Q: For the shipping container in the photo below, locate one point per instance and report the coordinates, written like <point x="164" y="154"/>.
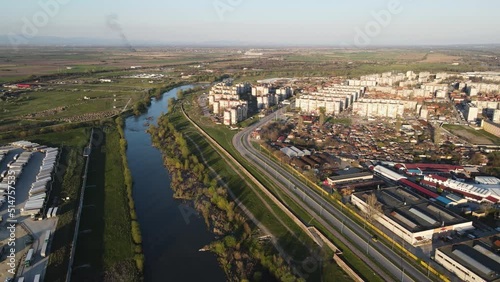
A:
<point x="49" y="212"/>
<point x="37" y="278"/>
<point x="20" y="279"/>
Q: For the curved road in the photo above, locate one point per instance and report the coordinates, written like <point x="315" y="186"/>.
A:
<point x="379" y="252"/>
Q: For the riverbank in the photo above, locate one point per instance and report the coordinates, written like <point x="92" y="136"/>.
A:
<point x="240" y="253"/>
<point x="106" y="246"/>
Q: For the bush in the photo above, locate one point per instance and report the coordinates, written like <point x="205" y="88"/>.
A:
<point x="136" y="232"/>
<point x="139" y="262"/>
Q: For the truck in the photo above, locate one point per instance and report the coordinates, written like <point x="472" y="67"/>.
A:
<point x="38" y="182"/>
<point x="47" y="236"/>
<point x="45" y="174"/>
<point x="54" y="212"/>
<point x="44" y="185"/>
<point x="20" y="279"/>
<point x="27" y="210"/>
<point x="49" y="212"/>
<point x="37" y="191"/>
<point x="33" y="205"/>
<point x="45" y="169"/>
<point x="30" y="213"/>
<point x="39" y="196"/>
<point x="44" y="179"/>
<point x="37" y="278"/>
<point x="43" y="251"/>
<point x="29" y="258"/>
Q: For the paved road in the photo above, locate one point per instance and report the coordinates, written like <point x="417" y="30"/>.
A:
<point x="379" y="252"/>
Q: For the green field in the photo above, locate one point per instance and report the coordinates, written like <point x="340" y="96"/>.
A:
<point x="106" y="215"/>
<point x="478" y="137"/>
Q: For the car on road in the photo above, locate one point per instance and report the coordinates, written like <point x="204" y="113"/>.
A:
<point x="374" y="238"/>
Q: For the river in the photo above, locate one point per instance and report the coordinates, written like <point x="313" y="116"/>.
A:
<point x="170" y="242"/>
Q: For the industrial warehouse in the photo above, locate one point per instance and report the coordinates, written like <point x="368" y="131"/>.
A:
<point x="26" y="185"/>
<point x="410" y="216"/>
<point x="475" y="260"/>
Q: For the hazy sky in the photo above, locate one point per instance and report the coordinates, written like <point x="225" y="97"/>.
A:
<point x="312" y="22"/>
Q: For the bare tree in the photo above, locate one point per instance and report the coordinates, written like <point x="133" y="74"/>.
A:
<point x="322" y="114"/>
<point x="373" y="207"/>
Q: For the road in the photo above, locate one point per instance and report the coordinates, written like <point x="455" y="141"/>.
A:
<point x="391" y="261"/>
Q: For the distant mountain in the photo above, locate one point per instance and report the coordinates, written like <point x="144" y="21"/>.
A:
<point x="5" y="40"/>
<point x="118" y="42"/>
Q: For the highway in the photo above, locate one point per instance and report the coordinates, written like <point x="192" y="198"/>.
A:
<point x="309" y="199"/>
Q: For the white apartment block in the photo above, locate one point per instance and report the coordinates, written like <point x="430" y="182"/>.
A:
<point x="225" y="95"/>
<point x="470" y="112"/>
<point x="268" y="95"/>
<point x="235" y="114"/>
<point x="482" y="87"/>
<point x="493" y="105"/>
<point x="378" y="108"/>
<point x="312" y="104"/>
<point x="496" y="116"/>
<point x="334" y="99"/>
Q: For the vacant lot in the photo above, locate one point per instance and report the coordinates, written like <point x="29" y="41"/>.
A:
<point x="472" y="136"/>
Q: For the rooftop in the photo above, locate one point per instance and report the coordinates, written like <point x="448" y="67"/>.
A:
<point x="349" y="176"/>
<point x="413" y="211"/>
<point x="479" y="256"/>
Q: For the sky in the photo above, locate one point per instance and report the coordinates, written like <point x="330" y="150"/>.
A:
<point x="258" y="22"/>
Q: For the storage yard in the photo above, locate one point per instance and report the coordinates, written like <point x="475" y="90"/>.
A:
<point x="27" y="172"/>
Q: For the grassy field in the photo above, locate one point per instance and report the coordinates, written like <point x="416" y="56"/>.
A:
<point x="106" y="218"/>
<point x="471" y="135"/>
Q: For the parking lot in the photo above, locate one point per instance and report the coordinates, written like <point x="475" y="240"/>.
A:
<point x="29" y="232"/>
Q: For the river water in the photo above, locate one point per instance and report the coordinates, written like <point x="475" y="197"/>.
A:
<point x="171" y="234"/>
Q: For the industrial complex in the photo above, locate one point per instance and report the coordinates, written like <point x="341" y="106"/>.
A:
<point x="26" y="201"/>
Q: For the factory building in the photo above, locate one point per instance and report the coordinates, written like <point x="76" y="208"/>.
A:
<point x="475" y="260"/>
<point x="410" y="216"/>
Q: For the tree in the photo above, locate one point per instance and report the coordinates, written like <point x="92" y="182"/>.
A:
<point x="397" y="127"/>
<point x="477" y="158"/>
<point x="373" y="207"/>
<point x="322" y="115"/>
<point x="180" y="94"/>
<point x="437" y="134"/>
